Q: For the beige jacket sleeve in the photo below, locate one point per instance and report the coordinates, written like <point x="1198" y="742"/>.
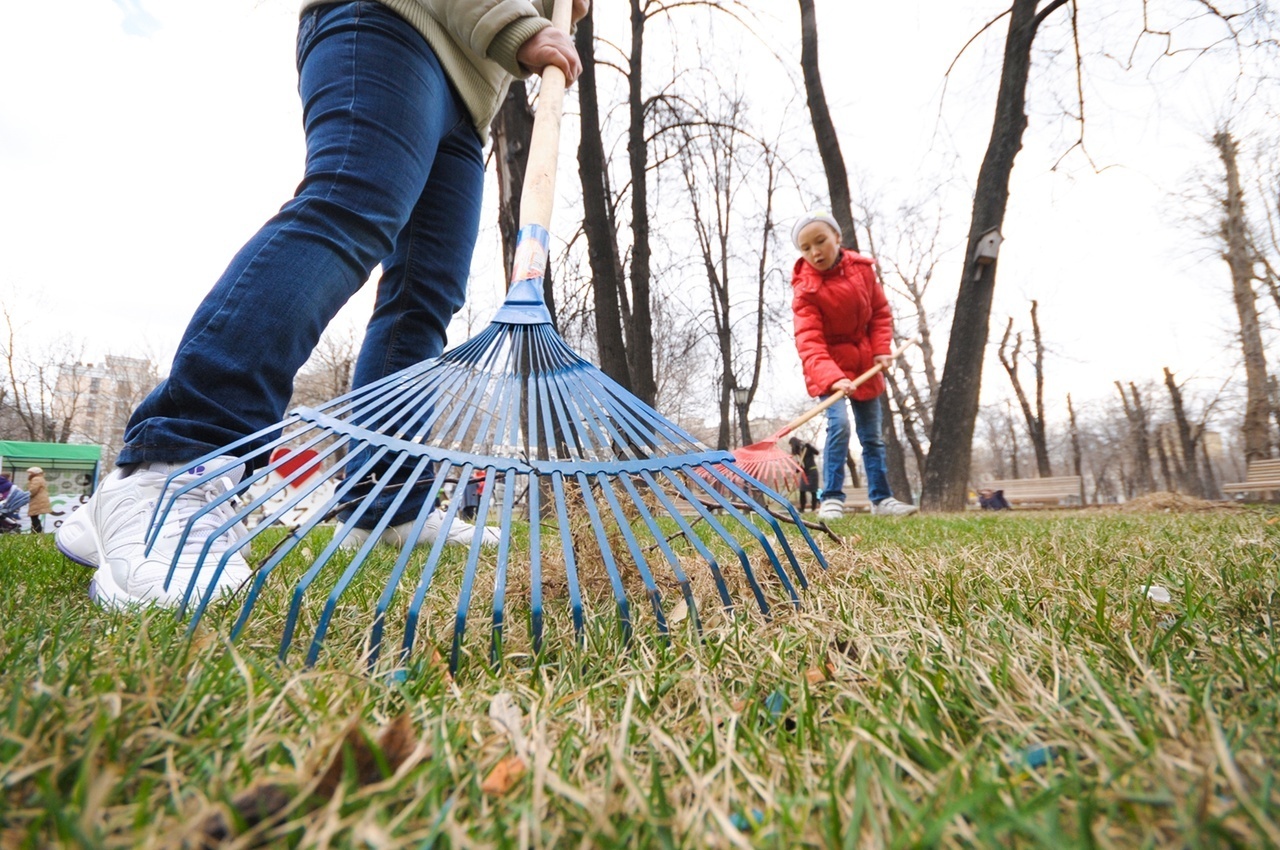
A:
<point x="494" y="29"/>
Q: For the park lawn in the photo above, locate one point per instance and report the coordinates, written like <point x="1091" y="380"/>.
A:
<point x="976" y="680"/>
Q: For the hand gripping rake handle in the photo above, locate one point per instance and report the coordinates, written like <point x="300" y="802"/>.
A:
<point x="835" y="397"/>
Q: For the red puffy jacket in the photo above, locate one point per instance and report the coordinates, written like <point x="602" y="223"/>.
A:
<point x="842" y="322"/>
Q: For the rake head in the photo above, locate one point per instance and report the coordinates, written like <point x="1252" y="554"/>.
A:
<point x="554" y="436"/>
<point x="766" y="463"/>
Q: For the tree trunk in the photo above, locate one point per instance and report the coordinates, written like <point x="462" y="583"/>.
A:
<point x="823" y="127"/>
<point x="1143" y="480"/>
<point x="1186" y="439"/>
<point x="895" y="459"/>
<point x="639" y="328"/>
<point x="946" y="477"/>
<point x="1077" y="456"/>
<point x="1239" y="256"/>
<point x="1034" y="419"/>
<point x="598" y="220"/>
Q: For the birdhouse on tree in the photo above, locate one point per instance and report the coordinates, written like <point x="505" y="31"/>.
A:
<point x="988" y="247"/>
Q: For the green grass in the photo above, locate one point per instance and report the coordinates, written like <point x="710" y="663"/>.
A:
<point x="972" y="681"/>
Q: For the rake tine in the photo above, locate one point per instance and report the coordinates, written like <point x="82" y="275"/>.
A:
<point x="692" y="536"/>
<point x="637" y="555"/>
<point x="239" y="516"/>
<point x="606" y="553"/>
<point x="166" y="502"/>
<point x="357" y="560"/>
<point x="786" y="503"/>
<point x="264" y="571"/>
<point x="665" y="547"/>
<point x="473" y="559"/>
<point x="433" y="559"/>
<point x="326" y="554"/>
<point x="402" y="562"/>
<point x="724" y="534"/>
<point x="500" y="576"/>
<point x="535" y="562"/>
<point x="566" y="543"/>
<point x="750" y="528"/>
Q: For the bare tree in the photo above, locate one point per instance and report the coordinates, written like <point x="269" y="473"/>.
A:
<point x="1077" y="455"/>
<point x="1240" y="257"/>
<point x="327" y="374"/>
<point x="599" y="219"/>
<point x="823" y="128"/>
<point x="1188" y="440"/>
<point x="947" y="473"/>
<point x="1033" y="418"/>
<point x="45" y="412"/>
<point x="721" y="162"/>
<point x="1143" y="480"/>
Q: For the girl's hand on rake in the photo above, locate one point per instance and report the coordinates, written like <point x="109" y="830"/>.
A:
<point x="844" y="385"/>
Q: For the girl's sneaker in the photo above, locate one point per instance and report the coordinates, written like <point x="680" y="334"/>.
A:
<point x="892" y="507"/>
<point x="460" y="533"/>
<point x="831" y="509"/>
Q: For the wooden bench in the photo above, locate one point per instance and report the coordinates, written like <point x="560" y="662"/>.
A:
<point x="1261" y="476"/>
<point x="1037" y="491"/>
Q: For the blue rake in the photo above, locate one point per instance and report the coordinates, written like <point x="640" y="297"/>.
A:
<point x="518" y="404"/>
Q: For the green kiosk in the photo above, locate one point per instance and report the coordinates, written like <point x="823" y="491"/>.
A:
<point x="71" y="471"/>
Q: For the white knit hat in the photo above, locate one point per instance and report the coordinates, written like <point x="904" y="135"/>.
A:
<point x="809" y="218"/>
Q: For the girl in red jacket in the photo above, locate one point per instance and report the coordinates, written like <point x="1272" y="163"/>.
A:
<point x="843" y="328"/>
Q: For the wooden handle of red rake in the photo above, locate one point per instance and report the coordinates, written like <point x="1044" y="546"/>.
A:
<point x="539" y="190"/>
<point x="838" y="396"/>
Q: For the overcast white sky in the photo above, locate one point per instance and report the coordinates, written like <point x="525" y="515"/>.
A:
<point x="143" y="141"/>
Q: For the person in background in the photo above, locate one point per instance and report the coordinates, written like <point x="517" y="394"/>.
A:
<point x="397" y="99"/>
<point x="806" y="454"/>
<point x="39" y="504"/>
<point x="843" y="327"/>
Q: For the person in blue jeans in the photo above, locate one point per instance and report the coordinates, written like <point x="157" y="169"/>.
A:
<point x="843" y="326"/>
<point x="397" y="97"/>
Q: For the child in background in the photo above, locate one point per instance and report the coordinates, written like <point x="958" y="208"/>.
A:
<point x="843" y="327"/>
<point x="806" y="454"/>
<point x="39" y="504"/>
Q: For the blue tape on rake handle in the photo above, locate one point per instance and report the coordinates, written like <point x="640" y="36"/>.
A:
<point x="525" y="304"/>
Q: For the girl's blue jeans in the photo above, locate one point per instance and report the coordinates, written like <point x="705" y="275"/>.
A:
<point x="394" y="175"/>
<point x="867" y="417"/>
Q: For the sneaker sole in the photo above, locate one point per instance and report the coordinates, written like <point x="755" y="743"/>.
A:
<point x="73" y="557"/>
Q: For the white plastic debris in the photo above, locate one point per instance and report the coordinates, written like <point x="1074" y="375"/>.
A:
<point x="1156" y="593"/>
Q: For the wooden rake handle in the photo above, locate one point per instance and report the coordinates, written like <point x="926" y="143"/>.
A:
<point x="835" y="397"/>
<point x="538" y="194"/>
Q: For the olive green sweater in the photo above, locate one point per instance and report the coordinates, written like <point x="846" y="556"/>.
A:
<point x="476" y="42"/>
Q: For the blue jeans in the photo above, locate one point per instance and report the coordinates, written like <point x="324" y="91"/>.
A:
<point x="867" y="419"/>
<point x="394" y="175"/>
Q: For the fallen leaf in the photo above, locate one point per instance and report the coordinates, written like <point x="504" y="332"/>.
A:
<point x="817" y="675"/>
<point x="507" y="719"/>
<point x="739" y="706"/>
<point x="678" y="614"/>
<point x="504" y="776"/>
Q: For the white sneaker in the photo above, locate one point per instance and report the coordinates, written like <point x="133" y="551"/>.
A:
<point x="109" y="533"/>
<point x="892" y="507"/>
<point x="831" y="509"/>
<point x="75" y="539"/>
<point x="460" y="532"/>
